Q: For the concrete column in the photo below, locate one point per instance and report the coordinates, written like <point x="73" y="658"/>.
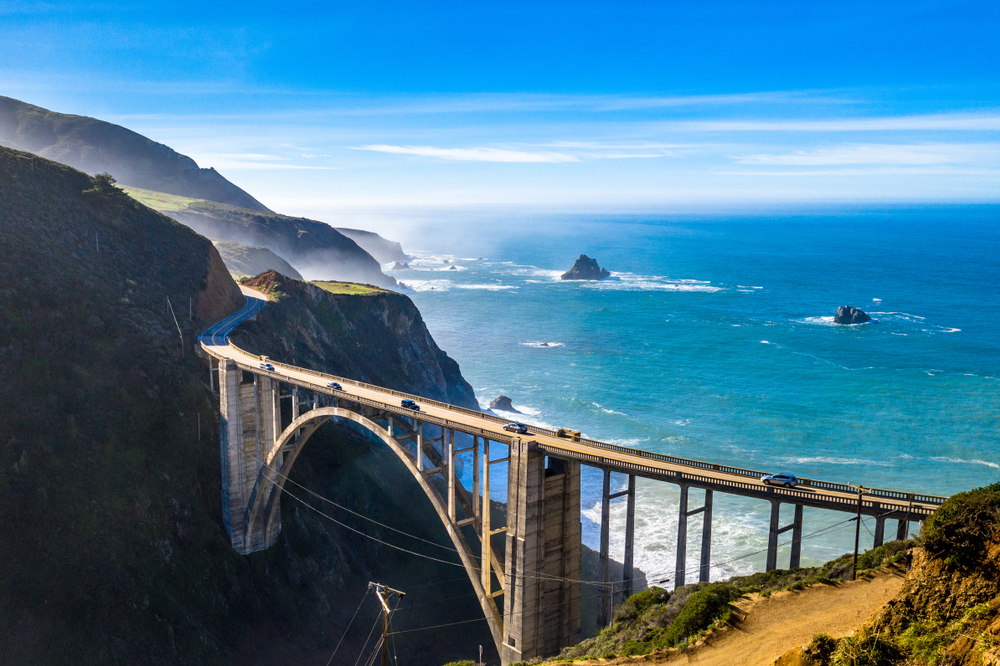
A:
<point x="603" y="617"/>
<point x="772" y="537"/>
<point x="682" y="520"/>
<point x="902" y="527"/>
<point x="879" y="531"/>
<point x="295" y="402"/>
<point x="389" y="425"/>
<point x="450" y="441"/>
<point x="541" y="611"/>
<point x="795" y="559"/>
<point x="486" y="539"/>
<point x="420" y="445"/>
<point x="211" y="375"/>
<point x="475" y="476"/>
<point x="706" y="539"/>
<point x="627" y="568"/>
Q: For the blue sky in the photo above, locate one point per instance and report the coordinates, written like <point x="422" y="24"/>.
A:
<point x="599" y="105"/>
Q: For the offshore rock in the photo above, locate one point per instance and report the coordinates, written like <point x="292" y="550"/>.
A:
<point x="399" y="266"/>
<point x="848" y="315"/>
<point x="586" y="268"/>
<point x="504" y="404"/>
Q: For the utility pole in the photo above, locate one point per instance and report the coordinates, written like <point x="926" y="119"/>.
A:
<point x="857" y="534"/>
<point x="383" y="592"/>
<point x="177" y="325"/>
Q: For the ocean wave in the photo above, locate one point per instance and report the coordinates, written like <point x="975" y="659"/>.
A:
<point x="682" y="422"/>
<point x="542" y="345"/>
<point x="822" y="321"/>
<point x="962" y="461"/>
<point x="746" y="286"/>
<point x="609" y="411"/>
<point x="488" y="287"/>
<point x="829" y="460"/>
<point x="428" y="285"/>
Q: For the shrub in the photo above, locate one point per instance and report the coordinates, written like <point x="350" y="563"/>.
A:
<point x="867" y="649"/>
<point x="633" y="607"/>
<point x="963" y="526"/>
<point x="820" y="650"/>
<point x="468" y="662"/>
<point x="702" y="609"/>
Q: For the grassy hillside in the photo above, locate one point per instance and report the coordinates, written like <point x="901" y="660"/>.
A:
<point x="243" y="260"/>
<point x="95" y="146"/>
<point x="315" y="249"/>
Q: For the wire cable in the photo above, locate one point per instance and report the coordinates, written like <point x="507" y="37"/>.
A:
<point x="366" y="641"/>
<point x="330" y="660"/>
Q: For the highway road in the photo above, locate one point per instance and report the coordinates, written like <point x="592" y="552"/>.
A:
<point x="717" y="476"/>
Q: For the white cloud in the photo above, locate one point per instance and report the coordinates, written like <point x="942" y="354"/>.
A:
<point x="934" y="122"/>
<point x="472" y="154"/>
<point x="881" y="154"/>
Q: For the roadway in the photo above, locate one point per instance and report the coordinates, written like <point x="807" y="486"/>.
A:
<point x="831" y="495"/>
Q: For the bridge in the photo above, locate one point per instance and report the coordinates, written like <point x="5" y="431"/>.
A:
<point x="528" y="584"/>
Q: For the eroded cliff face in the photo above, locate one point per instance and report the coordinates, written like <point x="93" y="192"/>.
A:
<point x="379" y="338"/>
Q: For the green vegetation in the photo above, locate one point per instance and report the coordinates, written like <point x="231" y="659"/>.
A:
<point x="349" y="288"/>
<point x="244" y="260"/>
<point x="657" y="619"/>
<point x="162" y="201"/>
<point x="467" y="662"/>
<point x="962" y="527"/>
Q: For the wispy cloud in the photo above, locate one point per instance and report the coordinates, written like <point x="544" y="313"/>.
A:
<point x="254" y="161"/>
<point x="472" y="154"/>
<point x="930" y="122"/>
<point x="888" y="154"/>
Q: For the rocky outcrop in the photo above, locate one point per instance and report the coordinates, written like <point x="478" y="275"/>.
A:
<point x="248" y="260"/>
<point x="586" y="268"/>
<point x="847" y="315"/>
<point x="400" y="266"/>
<point x="504" y="404"/>
<point x="382" y="249"/>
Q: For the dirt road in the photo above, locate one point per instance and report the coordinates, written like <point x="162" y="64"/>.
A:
<point x="770" y="626"/>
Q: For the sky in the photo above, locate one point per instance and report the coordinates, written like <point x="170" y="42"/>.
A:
<point x="316" y="109"/>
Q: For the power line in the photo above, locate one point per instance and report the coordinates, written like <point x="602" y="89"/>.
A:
<point x="330" y="660"/>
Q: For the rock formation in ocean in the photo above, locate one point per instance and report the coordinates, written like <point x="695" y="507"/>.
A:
<point x="586" y="268"/>
<point x="848" y="315"/>
<point x="504" y="404"/>
<point x="399" y="267"/>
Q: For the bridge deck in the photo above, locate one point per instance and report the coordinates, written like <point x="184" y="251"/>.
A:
<point x="725" y="478"/>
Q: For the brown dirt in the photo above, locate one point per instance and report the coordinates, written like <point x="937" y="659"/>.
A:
<point x="764" y="628"/>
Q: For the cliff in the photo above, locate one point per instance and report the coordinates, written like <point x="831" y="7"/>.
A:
<point x="356" y="336"/>
<point x="382" y="249"/>
<point x="315" y="249"/>
<point x="95" y="146"/>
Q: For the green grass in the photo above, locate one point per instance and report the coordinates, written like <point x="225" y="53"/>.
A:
<point x="349" y="288"/>
<point x="160" y="200"/>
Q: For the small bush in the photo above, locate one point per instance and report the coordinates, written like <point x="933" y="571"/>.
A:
<point x="702" y="609"/>
<point x="637" y="604"/>
<point x="820" y="650"/>
<point x="469" y="662"/>
<point x="867" y="649"/>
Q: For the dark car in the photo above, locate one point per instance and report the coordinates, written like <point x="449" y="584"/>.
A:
<point x="519" y="428"/>
<point x="267" y="366"/>
<point x="409" y="404"/>
<point x="335" y="385"/>
<point x="780" y="479"/>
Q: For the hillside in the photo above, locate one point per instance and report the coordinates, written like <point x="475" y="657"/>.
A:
<point x="112" y="539"/>
<point x="246" y="260"/>
<point x="315" y="249"/>
<point x="95" y="146"/>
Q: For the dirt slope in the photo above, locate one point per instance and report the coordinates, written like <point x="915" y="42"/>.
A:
<point x="767" y="627"/>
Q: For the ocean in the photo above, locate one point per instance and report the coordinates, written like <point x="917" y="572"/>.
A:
<point x="714" y="340"/>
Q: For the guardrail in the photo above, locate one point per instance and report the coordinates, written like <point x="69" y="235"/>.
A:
<point x="673" y="460"/>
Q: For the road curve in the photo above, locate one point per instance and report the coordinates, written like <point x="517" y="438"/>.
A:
<point x="832" y="495"/>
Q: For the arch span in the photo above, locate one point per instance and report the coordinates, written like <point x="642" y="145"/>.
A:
<point x="262" y="509"/>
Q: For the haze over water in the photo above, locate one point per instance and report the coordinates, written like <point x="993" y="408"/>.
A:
<point x="714" y="340"/>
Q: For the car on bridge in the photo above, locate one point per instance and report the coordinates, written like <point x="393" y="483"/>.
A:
<point x="335" y="385"/>
<point x="409" y="404"/>
<point x="519" y="428"/>
<point x="267" y="366"/>
<point x="780" y="479"/>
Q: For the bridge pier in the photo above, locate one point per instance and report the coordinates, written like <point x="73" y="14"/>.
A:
<point x="249" y="425"/>
<point x="879" y="530"/>
<point x="902" y="527"/>
<point x="794" y="558"/>
<point x="680" y="570"/>
<point x="542" y="592"/>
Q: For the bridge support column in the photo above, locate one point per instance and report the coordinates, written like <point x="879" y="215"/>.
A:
<point x="449" y="438"/>
<point x="772" y="537"/>
<point x="627" y="568"/>
<point x="795" y="559"/>
<point x="682" y="538"/>
<point x="706" y="539"/>
<point x="879" y="531"/>
<point x="604" y="614"/>
<point x="248" y="414"/>
<point x="420" y="445"/>
<point x="902" y="528"/>
<point x="542" y="599"/>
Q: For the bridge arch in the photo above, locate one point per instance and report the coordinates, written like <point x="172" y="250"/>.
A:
<point x="263" y="506"/>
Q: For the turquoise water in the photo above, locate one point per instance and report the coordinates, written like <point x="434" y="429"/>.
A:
<point x="714" y="340"/>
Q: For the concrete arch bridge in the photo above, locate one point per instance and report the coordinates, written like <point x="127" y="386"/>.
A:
<point x="526" y="572"/>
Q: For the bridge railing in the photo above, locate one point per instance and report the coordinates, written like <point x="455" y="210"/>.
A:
<point x="661" y="457"/>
